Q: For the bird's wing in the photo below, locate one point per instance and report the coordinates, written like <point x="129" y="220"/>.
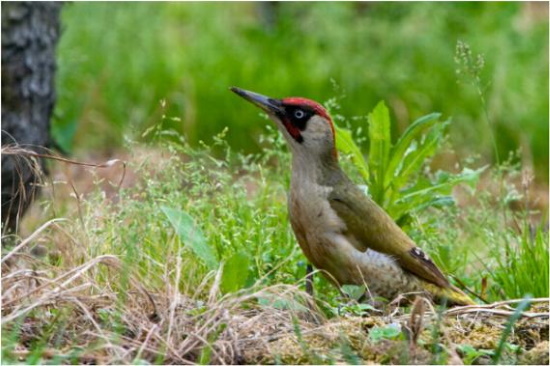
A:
<point x="373" y="228"/>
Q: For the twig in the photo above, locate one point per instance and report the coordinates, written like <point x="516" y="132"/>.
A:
<point x="496" y="304"/>
<point x="31" y="237"/>
<point x="490" y="308"/>
<point x="503" y="313"/>
<point x="107" y="164"/>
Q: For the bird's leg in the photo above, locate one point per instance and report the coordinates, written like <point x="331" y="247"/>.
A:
<point x="314" y="313"/>
<point x="368" y="298"/>
<point x="309" y="279"/>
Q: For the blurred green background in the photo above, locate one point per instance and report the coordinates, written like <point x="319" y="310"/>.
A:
<point x="118" y="61"/>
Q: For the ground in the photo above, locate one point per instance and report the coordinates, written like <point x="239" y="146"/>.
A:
<point x="71" y="295"/>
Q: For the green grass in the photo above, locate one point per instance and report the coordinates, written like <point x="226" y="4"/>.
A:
<point x="199" y="197"/>
<point x="238" y="205"/>
<point x="236" y="213"/>
<point x="118" y="61"/>
<point x="485" y="240"/>
<point x="515" y="256"/>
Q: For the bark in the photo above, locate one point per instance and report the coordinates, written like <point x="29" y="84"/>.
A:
<point x="30" y="31"/>
<point x="269" y="14"/>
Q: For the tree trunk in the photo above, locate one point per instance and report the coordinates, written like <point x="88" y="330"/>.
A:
<point x="269" y="14"/>
<point x="30" y="31"/>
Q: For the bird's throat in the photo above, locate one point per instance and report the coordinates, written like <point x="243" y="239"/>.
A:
<point x="321" y="171"/>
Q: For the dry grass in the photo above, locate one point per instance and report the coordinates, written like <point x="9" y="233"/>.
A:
<point x="67" y="305"/>
<point x="169" y="325"/>
<point x="95" y="326"/>
<point x="23" y="171"/>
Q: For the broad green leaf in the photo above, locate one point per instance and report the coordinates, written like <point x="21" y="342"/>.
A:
<point x="345" y="144"/>
<point x="445" y="185"/>
<point x="380" y="145"/>
<point x="191" y="235"/>
<point x="235" y="272"/>
<point x="404" y="206"/>
<point x="437" y="201"/>
<point x="468" y="176"/>
<point x="413" y="132"/>
<point x="357" y="309"/>
<point x="353" y="291"/>
<point x="387" y="332"/>
<point x="394" y="174"/>
<point x="435" y="194"/>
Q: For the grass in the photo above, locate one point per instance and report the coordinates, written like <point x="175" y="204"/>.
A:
<point x="119" y="284"/>
<point x="184" y="253"/>
<point x="110" y="84"/>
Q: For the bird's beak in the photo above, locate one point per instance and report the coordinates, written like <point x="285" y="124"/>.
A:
<point x="269" y="105"/>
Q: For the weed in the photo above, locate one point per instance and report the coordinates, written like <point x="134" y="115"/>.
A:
<point x="391" y="331"/>
<point x="139" y="275"/>
<point x="110" y="83"/>
<point x="394" y="176"/>
<point x="471" y="354"/>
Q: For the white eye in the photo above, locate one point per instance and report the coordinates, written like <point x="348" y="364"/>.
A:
<point x="298" y="113"/>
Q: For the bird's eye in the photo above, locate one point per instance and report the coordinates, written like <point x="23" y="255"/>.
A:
<point x="298" y="113"/>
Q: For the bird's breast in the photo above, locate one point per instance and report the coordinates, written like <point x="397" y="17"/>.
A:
<point x="313" y="222"/>
<point x="310" y="207"/>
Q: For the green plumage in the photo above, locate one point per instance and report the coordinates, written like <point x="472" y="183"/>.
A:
<point x="373" y="228"/>
<point x="340" y="229"/>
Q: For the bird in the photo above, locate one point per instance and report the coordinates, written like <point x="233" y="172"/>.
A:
<point x="340" y="229"/>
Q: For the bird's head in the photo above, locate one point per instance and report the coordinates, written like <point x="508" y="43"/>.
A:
<point x="305" y="124"/>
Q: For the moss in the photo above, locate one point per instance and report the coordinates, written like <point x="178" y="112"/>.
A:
<point x="538" y="355"/>
<point x="478" y="335"/>
<point x="395" y="352"/>
<point x="530" y="332"/>
<point x="324" y="344"/>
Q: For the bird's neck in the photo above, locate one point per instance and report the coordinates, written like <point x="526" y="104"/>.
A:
<point x="323" y="170"/>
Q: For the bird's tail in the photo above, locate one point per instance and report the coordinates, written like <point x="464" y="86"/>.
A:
<point x="452" y="294"/>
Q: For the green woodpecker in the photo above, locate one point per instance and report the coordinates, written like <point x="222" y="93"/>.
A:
<point x="339" y="228"/>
